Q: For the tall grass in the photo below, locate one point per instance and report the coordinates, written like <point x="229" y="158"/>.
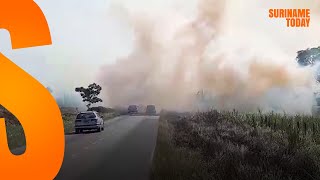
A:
<point x="233" y="145"/>
<point x="297" y="127"/>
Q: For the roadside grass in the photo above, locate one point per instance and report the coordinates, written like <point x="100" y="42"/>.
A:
<point x="233" y="145"/>
<point x="68" y="123"/>
<point x="171" y="162"/>
<point x="15" y="135"/>
<point x="108" y="116"/>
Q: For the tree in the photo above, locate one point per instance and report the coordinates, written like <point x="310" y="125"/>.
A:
<point x="309" y="56"/>
<point x="90" y="94"/>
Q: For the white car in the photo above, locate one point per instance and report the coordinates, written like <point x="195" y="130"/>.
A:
<point x="89" y="120"/>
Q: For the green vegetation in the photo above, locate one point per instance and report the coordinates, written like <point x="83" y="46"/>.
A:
<point x="15" y="136"/>
<point x="309" y="56"/>
<point x="68" y="123"/>
<point x="233" y="145"/>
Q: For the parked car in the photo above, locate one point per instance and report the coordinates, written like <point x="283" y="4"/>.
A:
<point x="89" y="120"/>
<point x="133" y="109"/>
<point x="151" y="110"/>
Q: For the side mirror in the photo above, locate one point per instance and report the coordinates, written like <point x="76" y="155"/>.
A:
<point x="102" y="116"/>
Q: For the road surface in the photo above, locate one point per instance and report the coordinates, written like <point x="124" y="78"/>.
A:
<point x="123" y="151"/>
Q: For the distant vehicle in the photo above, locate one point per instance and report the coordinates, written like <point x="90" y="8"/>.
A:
<point x="151" y="110"/>
<point x="89" y="120"/>
<point x="133" y="109"/>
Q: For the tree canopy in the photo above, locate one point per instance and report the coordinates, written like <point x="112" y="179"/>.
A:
<point x="309" y="56"/>
<point x="90" y="94"/>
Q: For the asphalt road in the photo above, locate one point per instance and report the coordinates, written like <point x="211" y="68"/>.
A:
<point x="123" y="151"/>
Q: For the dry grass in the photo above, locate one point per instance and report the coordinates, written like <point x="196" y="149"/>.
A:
<point x="231" y="145"/>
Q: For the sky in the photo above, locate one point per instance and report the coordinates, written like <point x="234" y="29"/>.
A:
<point x="83" y="39"/>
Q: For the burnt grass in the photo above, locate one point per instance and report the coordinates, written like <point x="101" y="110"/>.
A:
<point x="235" y="146"/>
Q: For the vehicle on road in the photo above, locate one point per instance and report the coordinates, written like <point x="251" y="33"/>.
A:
<point x="151" y="110"/>
<point x="89" y="120"/>
<point x="133" y="109"/>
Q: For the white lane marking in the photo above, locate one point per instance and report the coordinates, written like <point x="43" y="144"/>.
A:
<point x="152" y="154"/>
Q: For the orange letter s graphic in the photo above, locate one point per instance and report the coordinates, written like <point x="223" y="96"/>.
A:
<point x="28" y="100"/>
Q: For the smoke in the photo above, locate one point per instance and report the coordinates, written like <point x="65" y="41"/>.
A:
<point x="210" y="60"/>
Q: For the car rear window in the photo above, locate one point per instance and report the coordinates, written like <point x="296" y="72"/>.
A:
<point x="132" y="107"/>
<point x="86" y="116"/>
<point x="151" y="107"/>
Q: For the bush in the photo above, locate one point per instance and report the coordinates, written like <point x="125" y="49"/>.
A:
<point x="101" y="109"/>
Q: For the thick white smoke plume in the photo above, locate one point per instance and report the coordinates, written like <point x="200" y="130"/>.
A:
<point x="211" y="60"/>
